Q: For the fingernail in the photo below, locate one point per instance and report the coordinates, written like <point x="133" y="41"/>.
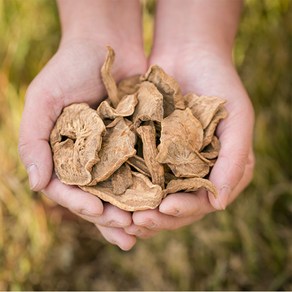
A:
<point x="224" y="196"/>
<point x="33" y="175"/>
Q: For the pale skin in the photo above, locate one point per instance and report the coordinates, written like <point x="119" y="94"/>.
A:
<point x="193" y="42"/>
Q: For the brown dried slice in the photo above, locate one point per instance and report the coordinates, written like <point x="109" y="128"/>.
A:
<point x="148" y="137"/>
<point x="179" y="127"/>
<point x="125" y="108"/>
<point x="117" y="146"/>
<point x="185" y="162"/>
<point x="210" y="130"/>
<point x="107" y="78"/>
<point x="122" y="179"/>
<point x="75" y="141"/>
<point x="168" y="86"/>
<point x="128" y="86"/>
<point x="150" y="104"/>
<point x="139" y="164"/>
<point x="204" y="108"/>
<point x="211" y="151"/>
<point x="189" y="185"/>
<point x="142" y="195"/>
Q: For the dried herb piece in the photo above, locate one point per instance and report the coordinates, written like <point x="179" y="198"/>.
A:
<point x="139" y="164"/>
<point x="148" y="137"/>
<point x="204" y="108"/>
<point x="75" y="141"/>
<point x="117" y="146"/>
<point x="125" y="108"/>
<point x="128" y="86"/>
<point x="150" y="104"/>
<point x="189" y="185"/>
<point x="211" y="151"/>
<point x="168" y="86"/>
<point x="210" y="130"/>
<point x="107" y="78"/>
<point x="121" y="179"/>
<point x="142" y="195"/>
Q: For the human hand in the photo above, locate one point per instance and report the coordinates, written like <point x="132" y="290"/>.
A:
<point x="73" y="76"/>
<point x="206" y="72"/>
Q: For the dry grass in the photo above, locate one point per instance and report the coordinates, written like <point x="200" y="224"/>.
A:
<point x="247" y="247"/>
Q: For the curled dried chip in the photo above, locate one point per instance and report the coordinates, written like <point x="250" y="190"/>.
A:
<point x="125" y="108"/>
<point x="150" y="104"/>
<point x="75" y="141"/>
<point x="107" y="78"/>
<point x="210" y="130"/>
<point x="168" y="86"/>
<point x="139" y="164"/>
<point x="189" y="185"/>
<point x="204" y="108"/>
<point x="128" y="86"/>
<point x="121" y="179"/>
<point x="142" y="195"/>
<point x="211" y="151"/>
<point x="117" y="146"/>
<point x="148" y="137"/>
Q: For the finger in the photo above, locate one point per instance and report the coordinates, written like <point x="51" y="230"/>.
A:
<point x="73" y="198"/>
<point x="140" y="231"/>
<point x="156" y="221"/>
<point x="111" y="217"/>
<point x="34" y="149"/>
<point x="186" y="204"/>
<point x="117" y="236"/>
<point x="235" y="135"/>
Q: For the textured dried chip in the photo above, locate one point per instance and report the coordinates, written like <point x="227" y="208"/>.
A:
<point x="117" y="146"/>
<point x="107" y="78"/>
<point x="185" y="162"/>
<point x="142" y="195"/>
<point x="128" y="86"/>
<point x="204" y="108"/>
<point x="75" y="141"/>
<point x="139" y="164"/>
<point x="150" y="104"/>
<point x="182" y="127"/>
<point x="125" y="108"/>
<point x="210" y="130"/>
<point x="211" y="151"/>
<point x="172" y="96"/>
<point x="121" y="179"/>
<point x="189" y="185"/>
<point x="148" y="137"/>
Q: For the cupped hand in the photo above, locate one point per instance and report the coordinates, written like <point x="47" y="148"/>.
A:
<point x="73" y="76"/>
<point x="207" y="73"/>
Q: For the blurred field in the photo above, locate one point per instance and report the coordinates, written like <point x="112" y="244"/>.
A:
<point x="246" y="247"/>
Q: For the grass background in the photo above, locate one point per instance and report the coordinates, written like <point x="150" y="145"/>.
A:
<point x="246" y="247"/>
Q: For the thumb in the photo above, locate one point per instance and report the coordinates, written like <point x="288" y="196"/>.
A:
<point x="34" y="149"/>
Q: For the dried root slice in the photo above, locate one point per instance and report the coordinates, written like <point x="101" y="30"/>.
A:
<point x="148" y="137"/>
<point x="76" y="140"/>
<point x="150" y="104"/>
<point x="121" y="179"/>
<point x="142" y="195"/>
<point x="204" y="108"/>
<point x="117" y="146"/>
<point x="125" y="108"/>
<point x="189" y="185"/>
<point x="139" y="164"/>
<point x="128" y="86"/>
<point x="211" y="151"/>
<point x="168" y="86"/>
<point x="210" y="130"/>
<point x="107" y="78"/>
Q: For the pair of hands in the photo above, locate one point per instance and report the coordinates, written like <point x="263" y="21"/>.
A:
<point x="72" y="76"/>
